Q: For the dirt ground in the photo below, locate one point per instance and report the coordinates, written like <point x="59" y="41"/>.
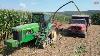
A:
<point x="67" y="46"/>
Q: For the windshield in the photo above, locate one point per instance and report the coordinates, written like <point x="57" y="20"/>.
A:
<point x="37" y="17"/>
<point x="77" y="21"/>
<point x="15" y="35"/>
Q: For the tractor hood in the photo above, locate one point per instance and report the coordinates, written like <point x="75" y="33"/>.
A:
<point x="33" y="26"/>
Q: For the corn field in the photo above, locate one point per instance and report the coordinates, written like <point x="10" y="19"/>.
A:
<point x="62" y="18"/>
<point x="12" y="18"/>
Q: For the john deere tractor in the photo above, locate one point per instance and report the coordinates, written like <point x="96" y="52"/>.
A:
<point x="40" y="30"/>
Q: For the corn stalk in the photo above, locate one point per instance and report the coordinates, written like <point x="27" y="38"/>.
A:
<point x="11" y="18"/>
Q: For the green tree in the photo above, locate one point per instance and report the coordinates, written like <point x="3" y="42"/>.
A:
<point x="62" y="18"/>
<point x="96" y="18"/>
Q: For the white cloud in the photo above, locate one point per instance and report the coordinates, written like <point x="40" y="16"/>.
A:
<point x="22" y="5"/>
<point x="27" y="4"/>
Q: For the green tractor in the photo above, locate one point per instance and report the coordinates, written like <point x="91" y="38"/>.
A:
<point x="40" y="30"/>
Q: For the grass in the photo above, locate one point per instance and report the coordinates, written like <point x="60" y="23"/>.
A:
<point x="79" y="50"/>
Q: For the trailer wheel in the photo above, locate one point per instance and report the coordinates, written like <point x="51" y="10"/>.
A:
<point x="84" y="35"/>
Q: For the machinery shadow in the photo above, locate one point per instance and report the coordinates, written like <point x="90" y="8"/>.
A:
<point x="65" y="33"/>
<point x="8" y="51"/>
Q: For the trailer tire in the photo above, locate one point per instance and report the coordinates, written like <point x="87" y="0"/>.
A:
<point x="83" y="36"/>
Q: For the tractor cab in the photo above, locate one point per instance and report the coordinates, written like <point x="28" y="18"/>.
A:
<point x="42" y="19"/>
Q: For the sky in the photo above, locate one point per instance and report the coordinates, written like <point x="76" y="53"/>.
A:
<point x="49" y="5"/>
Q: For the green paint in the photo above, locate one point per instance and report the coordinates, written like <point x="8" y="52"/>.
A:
<point x="34" y="26"/>
<point x="12" y="43"/>
<point x="27" y="38"/>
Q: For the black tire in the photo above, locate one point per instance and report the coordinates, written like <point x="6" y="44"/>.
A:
<point x="83" y="36"/>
